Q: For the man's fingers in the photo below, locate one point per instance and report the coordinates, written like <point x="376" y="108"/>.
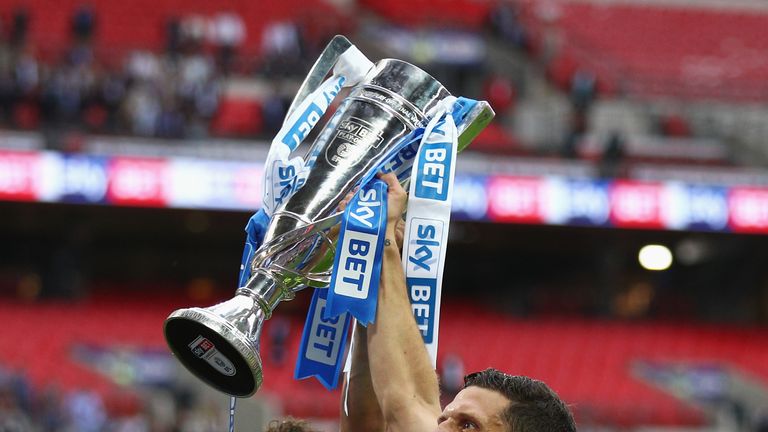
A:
<point x="348" y="198"/>
<point x="391" y="180"/>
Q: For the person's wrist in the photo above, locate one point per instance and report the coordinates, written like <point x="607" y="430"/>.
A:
<point x="390" y="237"/>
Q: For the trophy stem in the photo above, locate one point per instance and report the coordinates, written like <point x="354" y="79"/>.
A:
<point x="265" y="291"/>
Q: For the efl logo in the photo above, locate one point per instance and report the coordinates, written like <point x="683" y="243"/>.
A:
<point x="434" y="169"/>
<point x="424" y="247"/>
<point x="324" y="336"/>
<point x="353" y="138"/>
<point x="204" y="349"/>
<point x="200" y="346"/>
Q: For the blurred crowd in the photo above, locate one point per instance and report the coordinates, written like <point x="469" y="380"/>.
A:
<point x="25" y="408"/>
<point x="174" y="93"/>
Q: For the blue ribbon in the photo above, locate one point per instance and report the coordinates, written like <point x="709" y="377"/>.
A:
<point x="324" y="338"/>
<point x="323" y="343"/>
<point x="354" y="284"/>
<point x="255" y="229"/>
<point x="401" y="159"/>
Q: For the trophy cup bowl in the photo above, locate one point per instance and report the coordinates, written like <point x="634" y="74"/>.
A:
<point x="220" y="344"/>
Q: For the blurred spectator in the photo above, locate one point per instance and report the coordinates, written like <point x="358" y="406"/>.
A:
<point x="142" y="109"/>
<point x="83" y="24"/>
<point x="761" y="424"/>
<point x="173" y="94"/>
<point x="143" y="66"/>
<point x="570" y="146"/>
<point x="49" y="409"/>
<point x="12" y="417"/>
<point x="113" y="90"/>
<point x="194" y="71"/>
<point x="193" y="28"/>
<point x="19" y="28"/>
<point x="281" y="47"/>
<point x="227" y="34"/>
<point x="170" y="122"/>
<point x="273" y="112"/>
<point x="7" y="85"/>
<point x="86" y="411"/>
<point x="504" y="23"/>
<point x="583" y="88"/>
<point x="281" y="39"/>
<point x="451" y="377"/>
<point x="15" y="402"/>
<point x="613" y="156"/>
<point x="26" y="73"/>
<point x="173" y="37"/>
<point x="279" y="330"/>
<point x="19" y="384"/>
<point x="453" y="373"/>
<point x="577" y="127"/>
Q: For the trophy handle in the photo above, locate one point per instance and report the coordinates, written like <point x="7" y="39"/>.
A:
<point x="320" y="69"/>
<point x="309" y="247"/>
<point x="473" y="118"/>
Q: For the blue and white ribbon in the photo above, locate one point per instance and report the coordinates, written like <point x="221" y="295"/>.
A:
<point x="254" y="236"/>
<point x="354" y="285"/>
<point x="282" y="175"/>
<point x="323" y="343"/>
<point x="426" y="225"/>
<point x="285" y="175"/>
<point x="324" y="339"/>
<point x="426" y="156"/>
<point x="428" y="159"/>
<point x="353" y="289"/>
<point x="363" y="243"/>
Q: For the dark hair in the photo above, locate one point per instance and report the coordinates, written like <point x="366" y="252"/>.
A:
<point x="533" y="407"/>
<point x="289" y="424"/>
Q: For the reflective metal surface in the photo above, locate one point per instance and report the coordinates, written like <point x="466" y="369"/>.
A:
<point x="298" y="246"/>
<point x="320" y="69"/>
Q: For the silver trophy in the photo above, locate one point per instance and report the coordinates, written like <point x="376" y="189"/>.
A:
<point x="220" y="344"/>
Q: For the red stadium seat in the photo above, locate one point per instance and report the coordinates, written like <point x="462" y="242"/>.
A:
<point x="589" y="363"/>
<point x="237" y="117"/>
<point x="141" y="23"/>
<point x="685" y="51"/>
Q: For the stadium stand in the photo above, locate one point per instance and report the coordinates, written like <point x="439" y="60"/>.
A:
<point x="683" y="84"/>
<point x="589" y="362"/>
<point x="650" y="50"/>
<point x="141" y="24"/>
<point x="642" y="48"/>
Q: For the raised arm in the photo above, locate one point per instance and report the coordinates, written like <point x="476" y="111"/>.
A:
<point x="360" y="410"/>
<point x="401" y="372"/>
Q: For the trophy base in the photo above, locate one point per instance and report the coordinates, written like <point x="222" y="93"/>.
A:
<point x="214" y="351"/>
